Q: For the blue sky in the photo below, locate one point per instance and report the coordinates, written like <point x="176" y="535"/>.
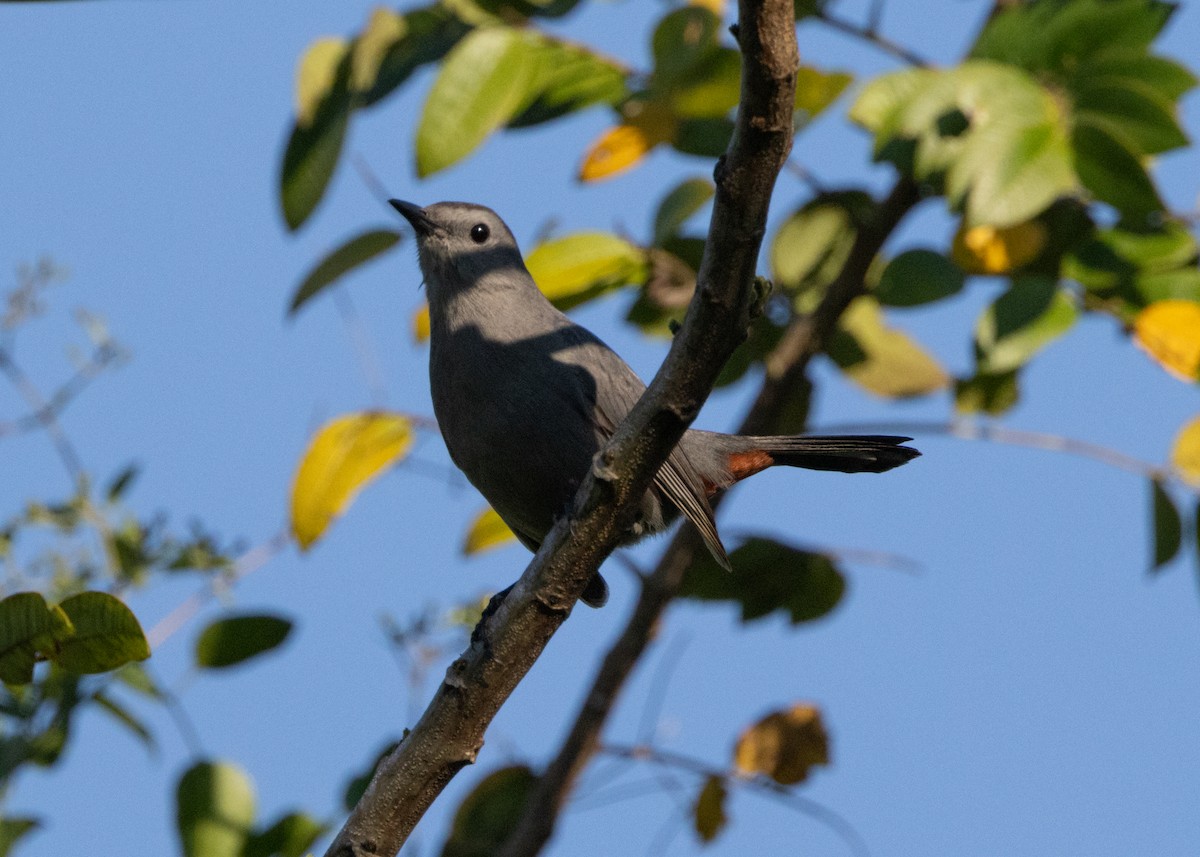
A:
<point x="1028" y="690"/>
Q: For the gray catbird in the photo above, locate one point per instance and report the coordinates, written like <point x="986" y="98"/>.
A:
<point x="525" y="397"/>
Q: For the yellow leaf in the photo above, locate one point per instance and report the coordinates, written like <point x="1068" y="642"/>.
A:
<point x="992" y="250"/>
<point x="1185" y="454"/>
<point x="784" y="745"/>
<point x="575" y="267"/>
<point x="488" y="530"/>
<point x="717" y="7"/>
<point x="1169" y="331"/>
<point x="709" y="811"/>
<point x="881" y="359"/>
<point x="420" y="324"/>
<point x="617" y="150"/>
<point x="346" y="454"/>
<point x="620" y="148"/>
<point x="316" y="74"/>
<point x="384" y="29"/>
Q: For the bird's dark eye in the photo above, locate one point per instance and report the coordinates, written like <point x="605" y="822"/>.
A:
<point x="480" y="233"/>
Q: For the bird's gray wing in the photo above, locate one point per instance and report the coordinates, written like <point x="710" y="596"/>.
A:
<point x="678" y="479"/>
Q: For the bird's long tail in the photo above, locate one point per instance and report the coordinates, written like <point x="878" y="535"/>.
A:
<point x="844" y="453"/>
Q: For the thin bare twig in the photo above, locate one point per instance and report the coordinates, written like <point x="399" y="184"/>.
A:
<point x="250" y="561"/>
<point x="46" y="416"/>
<point x="872" y="36"/>
<point x="760" y="784"/>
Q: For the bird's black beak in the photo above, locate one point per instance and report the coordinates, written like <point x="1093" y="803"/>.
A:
<point x="415" y="215"/>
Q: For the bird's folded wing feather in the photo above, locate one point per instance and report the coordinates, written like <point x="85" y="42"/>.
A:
<point x="678" y="480"/>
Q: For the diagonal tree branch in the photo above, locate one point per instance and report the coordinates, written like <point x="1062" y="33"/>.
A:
<point x="785" y="378"/>
<point x="450" y="733"/>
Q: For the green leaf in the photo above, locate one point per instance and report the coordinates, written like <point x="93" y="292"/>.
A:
<point x="359" y="250"/>
<point x="683" y="41"/>
<point x="712" y="89"/>
<point x="107" y="634"/>
<point x="215" y="808"/>
<point x="879" y="358"/>
<point x="1133" y="110"/>
<point x="1166" y="77"/>
<point x="582" y="266"/>
<point x="121" y="482"/>
<point x="483" y="82"/>
<point x="677" y="207"/>
<point x="568" y="78"/>
<point x="292" y="836"/>
<point x="26" y="625"/>
<point x="231" y="641"/>
<point x="323" y="114"/>
<point x="135" y="677"/>
<point x="764" y="336"/>
<point x="815" y="91"/>
<point x="126" y="718"/>
<point x="1021" y="322"/>
<point x="489" y="813"/>
<point x="428" y="35"/>
<point x="1110" y="168"/>
<point x="769" y="576"/>
<point x="1168" y="525"/>
<point x="1058" y="38"/>
<point x="1137" y="267"/>
<point x="13" y="829"/>
<point x="989" y="394"/>
<point x="918" y="277"/>
<point x="1014" y="176"/>
<point x="705" y="138"/>
<point x="997" y="137"/>
<point x="812" y="245"/>
<point x="708" y="813"/>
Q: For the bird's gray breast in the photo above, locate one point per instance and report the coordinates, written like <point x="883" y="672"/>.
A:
<point x="518" y="415"/>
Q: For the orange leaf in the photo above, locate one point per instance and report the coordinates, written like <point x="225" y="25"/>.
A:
<point x="1169" y="331"/>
